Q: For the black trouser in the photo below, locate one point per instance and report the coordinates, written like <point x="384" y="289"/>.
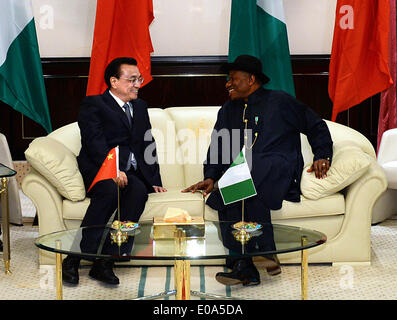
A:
<point x="104" y="202"/>
<point x="254" y="211"/>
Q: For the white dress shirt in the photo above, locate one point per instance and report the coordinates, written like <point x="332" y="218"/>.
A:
<point x="121" y="103"/>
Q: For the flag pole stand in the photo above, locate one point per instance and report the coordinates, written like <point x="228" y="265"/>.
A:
<point x="118" y="237"/>
<point x="242" y="235"/>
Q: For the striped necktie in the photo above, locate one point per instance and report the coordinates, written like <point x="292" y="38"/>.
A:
<point x="127" y="111"/>
<point x="131" y="157"/>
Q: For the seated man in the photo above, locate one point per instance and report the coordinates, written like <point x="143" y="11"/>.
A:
<point x="274" y="120"/>
<point x="115" y="118"/>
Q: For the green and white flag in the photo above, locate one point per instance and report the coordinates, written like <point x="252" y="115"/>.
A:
<point x="236" y="183"/>
<point x="21" y="76"/>
<point x="257" y="28"/>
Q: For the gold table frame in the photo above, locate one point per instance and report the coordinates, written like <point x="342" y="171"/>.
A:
<point x="182" y="281"/>
<point x="182" y="289"/>
<point x="5" y="222"/>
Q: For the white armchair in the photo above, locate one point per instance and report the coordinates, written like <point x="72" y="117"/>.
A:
<point x="386" y="205"/>
<point x="14" y="202"/>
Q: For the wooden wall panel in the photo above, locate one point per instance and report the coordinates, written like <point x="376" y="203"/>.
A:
<point x="177" y="81"/>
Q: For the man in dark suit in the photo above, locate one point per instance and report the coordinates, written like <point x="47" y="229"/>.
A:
<point x="274" y="120"/>
<point x="115" y="118"/>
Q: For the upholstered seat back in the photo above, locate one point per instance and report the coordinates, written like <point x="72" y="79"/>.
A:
<point x="193" y="126"/>
<point x="339" y="135"/>
<point x="168" y="152"/>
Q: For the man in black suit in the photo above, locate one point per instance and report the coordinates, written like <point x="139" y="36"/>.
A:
<point x="115" y="118"/>
<point x="274" y="120"/>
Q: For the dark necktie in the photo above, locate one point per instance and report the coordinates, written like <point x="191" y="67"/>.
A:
<point x="127" y="111"/>
<point x="131" y="158"/>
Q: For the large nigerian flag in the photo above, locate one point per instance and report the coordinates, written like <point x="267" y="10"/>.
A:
<point x="257" y="27"/>
<point x="21" y="75"/>
<point x="236" y="183"/>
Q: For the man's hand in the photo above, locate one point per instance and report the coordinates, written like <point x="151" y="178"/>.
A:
<point x="159" y="189"/>
<point x="207" y="185"/>
<point x="320" y="168"/>
<point x="122" y="180"/>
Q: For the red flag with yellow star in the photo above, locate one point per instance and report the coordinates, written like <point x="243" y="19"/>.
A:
<point x="109" y="168"/>
<point x="359" y="66"/>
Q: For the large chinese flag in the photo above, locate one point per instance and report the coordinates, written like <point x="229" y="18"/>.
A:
<point x="109" y="168"/>
<point x="121" y="30"/>
<point x="359" y="58"/>
<point x="388" y="98"/>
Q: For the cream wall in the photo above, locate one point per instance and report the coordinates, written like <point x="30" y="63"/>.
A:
<point x="181" y="27"/>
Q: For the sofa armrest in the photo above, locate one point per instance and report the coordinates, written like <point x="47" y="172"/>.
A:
<point x="47" y="200"/>
<point x="360" y="198"/>
<point x="366" y="190"/>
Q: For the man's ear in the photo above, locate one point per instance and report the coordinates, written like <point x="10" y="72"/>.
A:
<point x="252" y="79"/>
<point x="113" y="81"/>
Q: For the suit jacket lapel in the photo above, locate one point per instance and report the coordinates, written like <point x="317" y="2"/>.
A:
<point x="115" y="106"/>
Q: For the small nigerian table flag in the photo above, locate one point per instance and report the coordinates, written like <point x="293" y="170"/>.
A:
<point x="236" y="183"/>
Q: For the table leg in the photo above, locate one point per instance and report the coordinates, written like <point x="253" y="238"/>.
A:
<point x="304" y="269"/>
<point x="6" y="225"/>
<point x="186" y="280"/>
<point x="182" y="279"/>
<point x="59" y="272"/>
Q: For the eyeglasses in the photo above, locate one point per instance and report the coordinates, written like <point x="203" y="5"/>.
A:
<point x="134" y="80"/>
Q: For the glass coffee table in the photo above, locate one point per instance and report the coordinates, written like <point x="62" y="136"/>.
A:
<point x="210" y="240"/>
<point x="5" y="173"/>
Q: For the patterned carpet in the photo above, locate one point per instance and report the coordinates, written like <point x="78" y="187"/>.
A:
<point x="28" y="281"/>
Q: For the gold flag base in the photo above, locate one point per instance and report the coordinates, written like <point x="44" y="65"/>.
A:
<point x="242" y="236"/>
<point x="118" y="237"/>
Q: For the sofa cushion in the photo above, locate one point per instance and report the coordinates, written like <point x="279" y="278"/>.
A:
<point x="194" y="126"/>
<point x="69" y="136"/>
<point x="158" y="203"/>
<point x="343" y="134"/>
<point x="168" y="153"/>
<point x="75" y="210"/>
<point x="327" y="206"/>
<point x="333" y="204"/>
<point x="390" y="169"/>
<point x="58" y="165"/>
<point x="156" y="206"/>
<point x="348" y="164"/>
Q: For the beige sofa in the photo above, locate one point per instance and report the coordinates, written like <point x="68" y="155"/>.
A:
<point x="339" y="206"/>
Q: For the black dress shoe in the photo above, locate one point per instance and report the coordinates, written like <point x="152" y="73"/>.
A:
<point x="244" y="272"/>
<point x="102" y="270"/>
<point x="70" y="270"/>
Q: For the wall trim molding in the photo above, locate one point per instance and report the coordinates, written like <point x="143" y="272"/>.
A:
<point x="179" y="66"/>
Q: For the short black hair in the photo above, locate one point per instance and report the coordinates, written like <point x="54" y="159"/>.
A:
<point x="113" y="68"/>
